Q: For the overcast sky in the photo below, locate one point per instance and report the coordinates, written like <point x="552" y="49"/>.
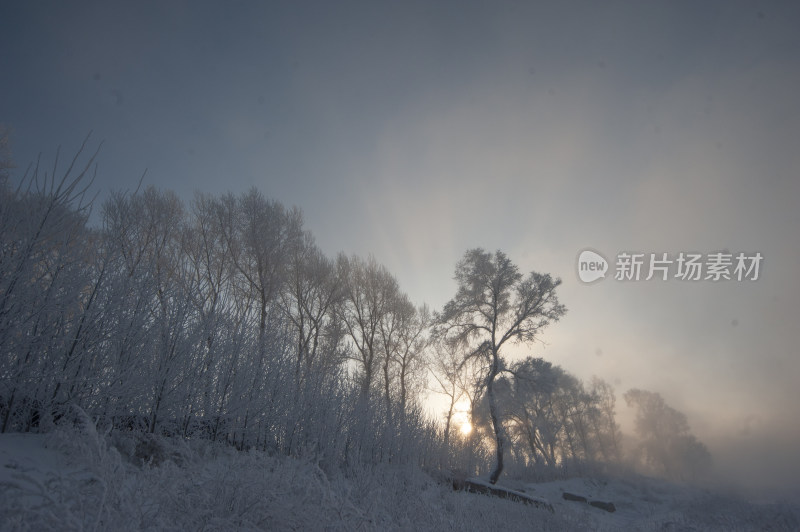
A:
<point x="416" y="130"/>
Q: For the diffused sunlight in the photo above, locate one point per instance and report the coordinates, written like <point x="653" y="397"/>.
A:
<point x="461" y="417"/>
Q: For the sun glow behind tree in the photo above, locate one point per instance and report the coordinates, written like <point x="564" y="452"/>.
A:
<point x="462" y="418"/>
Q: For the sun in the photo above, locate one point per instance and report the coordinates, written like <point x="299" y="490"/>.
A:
<point x="461" y="417"/>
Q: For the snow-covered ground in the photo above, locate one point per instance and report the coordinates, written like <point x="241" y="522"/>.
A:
<point x="643" y="503"/>
<point x="75" y="481"/>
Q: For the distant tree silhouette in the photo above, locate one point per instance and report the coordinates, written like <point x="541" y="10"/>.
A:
<point x="667" y="446"/>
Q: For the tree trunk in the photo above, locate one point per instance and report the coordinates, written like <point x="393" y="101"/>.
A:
<point x="387" y="390"/>
<point x="499" y="435"/>
<point x="447" y="422"/>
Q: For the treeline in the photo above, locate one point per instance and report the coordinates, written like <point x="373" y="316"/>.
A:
<point x="554" y="423"/>
<point x="553" y="418"/>
<point x="221" y="318"/>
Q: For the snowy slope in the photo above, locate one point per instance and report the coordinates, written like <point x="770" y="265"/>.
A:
<point x="74" y="481"/>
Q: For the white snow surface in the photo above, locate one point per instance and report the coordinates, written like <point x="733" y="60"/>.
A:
<point x="71" y="480"/>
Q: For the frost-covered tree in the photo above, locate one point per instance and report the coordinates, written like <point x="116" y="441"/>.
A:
<point x="605" y="420"/>
<point x="410" y="354"/>
<point x="551" y="418"/>
<point x="445" y="369"/>
<point x="265" y="236"/>
<point x="45" y="284"/>
<point x="309" y="298"/>
<point x="369" y="293"/>
<point x="493" y="306"/>
<point x="667" y="446"/>
<point x="147" y="228"/>
<point x="221" y="320"/>
<point x="534" y="421"/>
